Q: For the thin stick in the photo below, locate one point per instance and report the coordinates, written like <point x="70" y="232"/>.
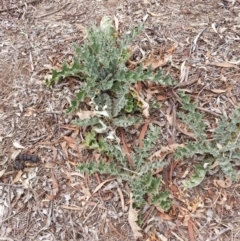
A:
<point x="48" y="14"/>
<point x="10" y="185"/>
<point x="220" y="233"/>
<point x="115" y="230"/>
<point x="209" y="112"/>
<point x="90" y="213"/>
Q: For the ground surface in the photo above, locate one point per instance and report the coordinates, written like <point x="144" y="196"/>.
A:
<point x="53" y="201"/>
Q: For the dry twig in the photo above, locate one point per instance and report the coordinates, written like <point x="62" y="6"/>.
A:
<point x="58" y="10"/>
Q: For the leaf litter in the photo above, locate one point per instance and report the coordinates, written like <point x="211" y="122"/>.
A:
<point x="31" y="114"/>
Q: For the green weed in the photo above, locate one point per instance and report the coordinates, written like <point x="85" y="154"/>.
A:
<point x="100" y="66"/>
<point x="223" y="147"/>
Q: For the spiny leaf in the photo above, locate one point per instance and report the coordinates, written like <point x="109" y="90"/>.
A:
<point x="124" y="121"/>
<point x="224" y="145"/>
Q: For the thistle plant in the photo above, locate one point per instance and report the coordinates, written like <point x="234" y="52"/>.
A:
<point x="139" y="174"/>
<point x="108" y="99"/>
<point x="223" y="147"/>
<point x="100" y="66"/>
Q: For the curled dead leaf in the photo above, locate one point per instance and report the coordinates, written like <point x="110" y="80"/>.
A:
<point x="101" y="184"/>
<point x="156" y="63"/>
<point x="218" y="91"/>
<point x="132" y="218"/>
<point x="145" y="105"/>
<point x="182" y="127"/>
<point x="165" y="150"/>
<point x="17" y="145"/>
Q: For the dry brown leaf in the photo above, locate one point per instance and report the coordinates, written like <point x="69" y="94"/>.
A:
<point x="54" y="154"/>
<point x="126" y="149"/>
<point x="68" y="176"/>
<point x="150" y="93"/>
<point x="218" y="91"/>
<point x="155" y="14"/>
<point x="115" y="230"/>
<point x="49" y="197"/>
<point x="145" y="105"/>
<point x="70" y="127"/>
<point x="71" y="208"/>
<point x="169" y="119"/>
<point x="85" y="114"/>
<point x="132" y="218"/>
<point x="69" y="139"/>
<point x="224" y="183"/>
<point x="85" y="191"/>
<point x="184" y="72"/>
<point x="110" y="186"/>
<point x="182" y="127"/>
<point x="17" y="145"/>
<point x="143" y="132"/>
<point x="121" y="197"/>
<point x="71" y="163"/>
<point x="28" y="112"/>
<point x="193" y="205"/>
<point x="165" y="150"/>
<point x="191" y="231"/>
<point x="73" y="146"/>
<point x="156" y="63"/>
<point x="2" y="107"/>
<point x="18" y="176"/>
<point x="163" y="215"/>
<point x="64" y="148"/>
<point x="153" y="237"/>
<point x="215" y="164"/>
<point x="49" y="165"/>
<point x="103" y="183"/>
<point x="77" y="174"/>
<point x="54" y="184"/>
<point x="95" y="204"/>
<point x="157" y="171"/>
<point x="224" y="64"/>
<point x="172" y="48"/>
<point x="162" y="97"/>
<point x="2" y="172"/>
